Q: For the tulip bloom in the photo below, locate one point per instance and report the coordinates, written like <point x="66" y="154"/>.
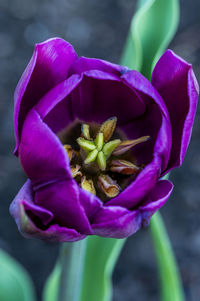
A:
<point x="95" y="140"/>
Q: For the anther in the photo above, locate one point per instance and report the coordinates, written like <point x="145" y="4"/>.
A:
<point x="88" y="185"/>
<point x="108" y="186"/>
<point x="108" y="127"/>
<point x="69" y="151"/>
<point x="75" y="170"/>
<point x="85" y="129"/>
<point x="124" y="167"/>
<point x="124" y="146"/>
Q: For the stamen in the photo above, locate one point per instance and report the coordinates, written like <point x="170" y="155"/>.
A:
<point x="85" y="144"/>
<point x="124" y="146"/>
<point x="124" y="167"/>
<point x="91" y="157"/>
<point x="102" y="153"/>
<point x="110" y="146"/>
<point x="101" y="161"/>
<point x="69" y="151"/>
<point x="108" y="186"/>
<point x="75" y="170"/>
<point x="99" y="141"/>
<point x="85" y="129"/>
<point x="88" y="185"/>
<point x="108" y="127"/>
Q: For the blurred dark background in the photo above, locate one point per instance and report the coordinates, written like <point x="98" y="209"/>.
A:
<point x="97" y="29"/>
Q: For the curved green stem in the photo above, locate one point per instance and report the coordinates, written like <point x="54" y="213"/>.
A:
<point x="170" y="282"/>
<point x="100" y="260"/>
<point x="71" y="262"/>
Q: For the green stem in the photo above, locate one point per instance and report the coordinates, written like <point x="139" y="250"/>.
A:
<point x="171" y="287"/>
<point x="71" y="262"/>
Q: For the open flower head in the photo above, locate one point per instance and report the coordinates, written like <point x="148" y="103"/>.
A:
<point x="95" y="140"/>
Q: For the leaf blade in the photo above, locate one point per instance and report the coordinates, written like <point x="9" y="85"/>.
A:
<point x="152" y="28"/>
<point x="15" y="283"/>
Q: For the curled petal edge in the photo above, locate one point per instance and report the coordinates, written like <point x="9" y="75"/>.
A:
<point x="53" y="233"/>
<point x="174" y="79"/>
<point x="51" y="61"/>
<point x="118" y="222"/>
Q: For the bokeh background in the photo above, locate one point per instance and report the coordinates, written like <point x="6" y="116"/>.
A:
<point x="97" y="29"/>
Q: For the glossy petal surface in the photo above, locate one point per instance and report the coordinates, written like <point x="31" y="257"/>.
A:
<point x="175" y="81"/>
<point x="48" y="66"/>
<point x="59" y="90"/>
<point x="21" y="209"/>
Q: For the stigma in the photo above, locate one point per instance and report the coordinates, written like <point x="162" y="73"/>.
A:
<point x="100" y="164"/>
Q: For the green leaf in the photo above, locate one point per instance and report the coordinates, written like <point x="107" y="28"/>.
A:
<point x="100" y="259"/>
<point x="50" y="292"/>
<point x="152" y="28"/>
<point x="15" y="283"/>
<point x="101" y="255"/>
<point x="170" y="283"/>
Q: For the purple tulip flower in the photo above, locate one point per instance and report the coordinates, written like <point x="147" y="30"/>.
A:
<point x="95" y="140"/>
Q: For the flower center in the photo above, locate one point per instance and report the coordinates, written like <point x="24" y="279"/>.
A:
<point x="100" y="165"/>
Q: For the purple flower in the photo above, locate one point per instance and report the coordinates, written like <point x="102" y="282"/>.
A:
<point x="105" y="179"/>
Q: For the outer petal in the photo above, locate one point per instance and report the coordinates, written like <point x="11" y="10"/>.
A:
<point x="176" y="83"/>
<point x="155" y="200"/>
<point x="62" y="198"/>
<point x="140" y="187"/>
<point x="90" y="203"/>
<point x="48" y="66"/>
<point x="41" y="153"/>
<point x="84" y="64"/>
<point x="118" y="222"/>
<point x="161" y="136"/>
<point x="26" y="214"/>
<point x="149" y="94"/>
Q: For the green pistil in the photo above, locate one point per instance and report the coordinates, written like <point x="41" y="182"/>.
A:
<point x="101" y="160"/>
<point x="99" y="141"/>
<point x="110" y="146"/>
<point x="85" y="144"/>
<point x="91" y="156"/>
<point x="97" y="150"/>
<point x="106" y="154"/>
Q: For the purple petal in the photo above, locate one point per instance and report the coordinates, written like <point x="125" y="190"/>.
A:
<point x="116" y="222"/>
<point x="44" y="215"/>
<point x="155" y="200"/>
<point x="55" y="233"/>
<point x="90" y="203"/>
<point x="41" y="152"/>
<point x="62" y="198"/>
<point x="55" y="108"/>
<point x="84" y="64"/>
<point x="106" y="89"/>
<point x="155" y="122"/>
<point x="20" y="209"/>
<point x="102" y="95"/>
<point x="48" y="66"/>
<point x="142" y="185"/>
<point x="176" y="83"/>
